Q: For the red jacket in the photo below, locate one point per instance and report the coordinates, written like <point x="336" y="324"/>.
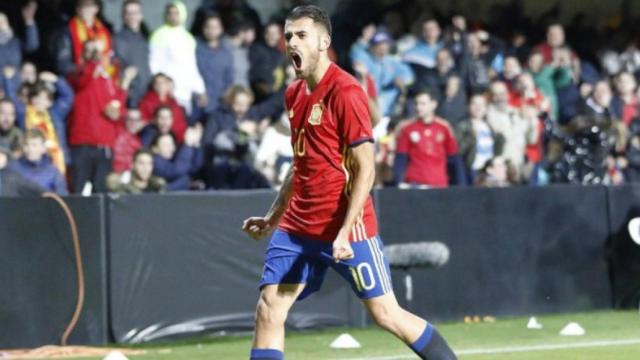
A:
<point x="126" y="145"/>
<point x="151" y="101"/>
<point x="88" y="125"/>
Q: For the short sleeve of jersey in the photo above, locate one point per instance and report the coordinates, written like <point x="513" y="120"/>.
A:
<point x="352" y="116"/>
<point x="450" y="145"/>
<point x="402" y="144"/>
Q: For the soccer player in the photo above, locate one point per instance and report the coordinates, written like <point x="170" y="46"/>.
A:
<point x="323" y="215"/>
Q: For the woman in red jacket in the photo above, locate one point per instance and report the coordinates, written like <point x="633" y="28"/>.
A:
<point x="161" y="93"/>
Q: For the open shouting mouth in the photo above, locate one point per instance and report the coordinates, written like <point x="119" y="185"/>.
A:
<point x="296" y="60"/>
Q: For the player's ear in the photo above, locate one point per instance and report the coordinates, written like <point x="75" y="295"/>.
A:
<point x="325" y="41"/>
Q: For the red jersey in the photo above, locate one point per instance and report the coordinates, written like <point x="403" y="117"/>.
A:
<point x="427" y="146"/>
<point x="324" y="123"/>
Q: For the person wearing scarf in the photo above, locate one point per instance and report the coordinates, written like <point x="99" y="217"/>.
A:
<point x="84" y="26"/>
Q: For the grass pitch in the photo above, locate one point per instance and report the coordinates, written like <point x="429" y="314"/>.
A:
<point x="609" y="335"/>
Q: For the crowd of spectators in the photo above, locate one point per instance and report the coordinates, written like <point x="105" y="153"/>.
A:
<point x="87" y="108"/>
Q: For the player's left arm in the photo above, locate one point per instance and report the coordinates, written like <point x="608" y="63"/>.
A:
<point x="354" y="124"/>
<point x="363" y="178"/>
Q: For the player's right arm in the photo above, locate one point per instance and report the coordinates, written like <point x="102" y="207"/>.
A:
<point x="257" y="227"/>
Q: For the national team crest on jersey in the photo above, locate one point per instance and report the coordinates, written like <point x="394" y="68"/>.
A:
<point x="315" y="118"/>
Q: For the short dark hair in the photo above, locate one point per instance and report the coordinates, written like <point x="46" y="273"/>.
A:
<point x="36" y="89"/>
<point x="433" y="96"/>
<point x="141" y="152"/>
<point x="313" y="12"/>
<point x="156" y="112"/>
<point x="157" y="138"/>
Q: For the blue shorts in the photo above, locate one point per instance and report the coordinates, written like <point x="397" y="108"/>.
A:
<point x="291" y="259"/>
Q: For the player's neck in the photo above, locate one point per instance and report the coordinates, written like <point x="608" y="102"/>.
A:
<point x="316" y="76"/>
<point x="427" y="119"/>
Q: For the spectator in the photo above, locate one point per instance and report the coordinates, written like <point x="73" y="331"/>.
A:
<point x="275" y="154"/>
<point x="548" y="78"/>
<point x="11" y="182"/>
<point x="11" y="48"/>
<point x="266" y="73"/>
<point x="510" y="73"/>
<point x="48" y="114"/>
<point x="478" y="142"/>
<point x="436" y="78"/>
<point x="132" y="49"/>
<point x="84" y="26"/>
<point x="127" y="142"/>
<point x="10" y="134"/>
<point x="423" y="55"/>
<point x="632" y="154"/>
<point x="162" y="124"/>
<point x="173" y="164"/>
<point x="599" y="102"/>
<point x="231" y="10"/>
<point x="495" y="173"/>
<point x="425" y="147"/>
<point x="453" y="101"/>
<point x="555" y="39"/>
<point x="36" y="165"/>
<point x="240" y="37"/>
<point x="161" y="94"/>
<point x="391" y="75"/>
<point x="625" y="104"/>
<point x="476" y="66"/>
<point x="215" y="62"/>
<point x="173" y="52"/>
<point x="93" y="124"/>
<point x="506" y="121"/>
<point x="369" y="86"/>
<point x="228" y="144"/>
<point x="141" y="179"/>
<point x="28" y="73"/>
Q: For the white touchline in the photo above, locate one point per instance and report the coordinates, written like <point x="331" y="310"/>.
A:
<point x="515" y="349"/>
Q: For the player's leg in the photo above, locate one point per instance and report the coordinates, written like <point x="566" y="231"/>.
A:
<point x="290" y="273"/>
<point x="271" y="313"/>
<point x="422" y="337"/>
<point x="369" y="275"/>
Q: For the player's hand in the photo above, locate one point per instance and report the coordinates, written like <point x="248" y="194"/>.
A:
<point x="342" y="250"/>
<point x="257" y="227"/>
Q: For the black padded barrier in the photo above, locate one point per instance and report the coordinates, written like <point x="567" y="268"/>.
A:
<point x="514" y="251"/>
<point x="180" y="265"/>
<point x="38" y="275"/>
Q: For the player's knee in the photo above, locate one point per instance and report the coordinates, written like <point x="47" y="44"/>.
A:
<point x="267" y="312"/>
<point x="384" y="317"/>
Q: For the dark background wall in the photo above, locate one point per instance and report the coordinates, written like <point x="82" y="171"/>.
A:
<point x="176" y="265"/>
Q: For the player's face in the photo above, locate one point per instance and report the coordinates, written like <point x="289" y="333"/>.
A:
<point x="425" y="106"/>
<point x="305" y="41"/>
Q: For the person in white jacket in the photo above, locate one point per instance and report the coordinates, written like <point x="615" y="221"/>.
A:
<point x="517" y="130"/>
<point x="172" y="51"/>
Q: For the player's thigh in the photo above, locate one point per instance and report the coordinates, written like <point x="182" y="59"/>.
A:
<point x="292" y="260"/>
<point x="368" y="272"/>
